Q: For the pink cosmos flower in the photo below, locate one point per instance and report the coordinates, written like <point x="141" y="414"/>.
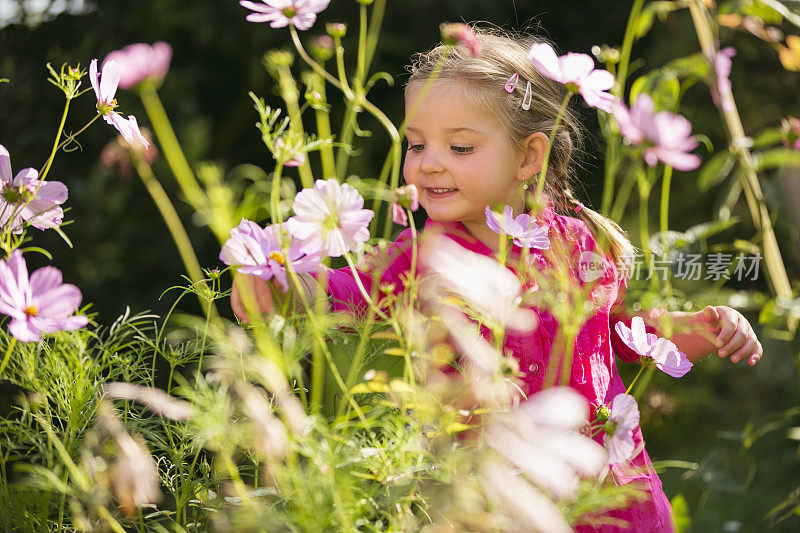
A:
<point x="407" y="196"/>
<point x="663" y="352"/>
<point x="461" y="33"/>
<point x="26" y="198"/>
<point x="666" y="136"/>
<point x="41" y="304"/>
<point x="329" y="218"/>
<point x="523" y="230"/>
<point x="722" y="94"/>
<point x="105" y="88"/>
<point x="257" y="252"/>
<point x="577" y="72"/>
<point x="279" y="13"/>
<point x="618" y="438"/>
<point x="141" y="62"/>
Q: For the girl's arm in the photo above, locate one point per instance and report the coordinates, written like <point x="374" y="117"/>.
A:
<point x="715" y="328"/>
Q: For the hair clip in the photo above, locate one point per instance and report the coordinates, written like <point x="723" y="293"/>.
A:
<point x="511" y="84"/>
<point x="578" y="207"/>
<point x="526" y="100"/>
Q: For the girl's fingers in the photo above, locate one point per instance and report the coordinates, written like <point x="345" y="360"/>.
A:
<point x="757" y="355"/>
<point x="746" y="349"/>
<point x="729" y="329"/>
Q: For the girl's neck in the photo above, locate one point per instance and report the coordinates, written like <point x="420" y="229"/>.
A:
<point x="481" y="231"/>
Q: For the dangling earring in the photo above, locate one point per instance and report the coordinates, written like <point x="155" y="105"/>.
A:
<point x="524" y="184"/>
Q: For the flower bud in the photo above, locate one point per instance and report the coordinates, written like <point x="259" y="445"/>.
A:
<point x="278" y="58"/>
<point x="336" y="29"/>
<point x="322" y="48"/>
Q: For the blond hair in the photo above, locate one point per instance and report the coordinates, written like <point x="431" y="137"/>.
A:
<point x="504" y="53"/>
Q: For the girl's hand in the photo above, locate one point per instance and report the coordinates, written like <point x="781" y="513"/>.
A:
<point x="734" y="335"/>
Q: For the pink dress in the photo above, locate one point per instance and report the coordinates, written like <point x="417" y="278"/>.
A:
<point x="594" y="372"/>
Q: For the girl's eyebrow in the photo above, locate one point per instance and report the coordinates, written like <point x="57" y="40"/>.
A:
<point x="449" y="130"/>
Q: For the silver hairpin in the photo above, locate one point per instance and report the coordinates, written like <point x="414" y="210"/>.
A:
<point x="526" y="100"/>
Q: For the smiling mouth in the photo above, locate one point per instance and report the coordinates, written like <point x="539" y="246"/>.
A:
<point x="436" y="191"/>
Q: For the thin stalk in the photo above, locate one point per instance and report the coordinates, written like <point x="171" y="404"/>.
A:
<point x="323" y="119"/>
<point x="50" y="159"/>
<point x="175" y="226"/>
<point x="291" y="97"/>
<point x="752" y="188"/>
<point x="546" y="159"/>
<point x="8" y="354"/>
<point x="627" y="46"/>
<point x="664" y="219"/>
<point x="628" y="391"/>
<point x="171" y="147"/>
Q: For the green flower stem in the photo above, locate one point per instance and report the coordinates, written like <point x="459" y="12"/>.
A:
<point x="361" y="61"/>
<point x="324" y="130"/>
<point x="664" y="220"/>
<point x="621" y="200"/>
<point x="291" y="97"/>
<point x="50" y="159"/>
<point x="175" y="226"/>
<point x="752" y="188"/>
<point x="644" y="229"/>
<point x="378" y="11"/>
<point x="641" y="369"/>
<point x="627" y="46"/>
<point x="6" y="357"/>
<point x="553" y="132"/>
<point x="363" y="290"/>
<point x="610" y="172"/>
<point x="171" y="147"/>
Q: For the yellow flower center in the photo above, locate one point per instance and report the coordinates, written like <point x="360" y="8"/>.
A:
<point x="277" y="257"/>
<point x="31" y="310"/>
<point x="289" y="12"/>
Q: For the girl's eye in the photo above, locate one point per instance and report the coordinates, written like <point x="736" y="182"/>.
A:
<point x="461" y="149"/>
<point x="415" y="147"/>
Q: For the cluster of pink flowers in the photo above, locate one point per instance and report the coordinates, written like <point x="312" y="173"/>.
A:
<point x="329" y="220"/>
<point x="522" y="230"/>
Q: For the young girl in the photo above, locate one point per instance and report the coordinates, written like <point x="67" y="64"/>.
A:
<point x="471" y="145"/>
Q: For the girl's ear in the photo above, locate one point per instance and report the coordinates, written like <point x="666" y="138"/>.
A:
<point x="533" y="150"/>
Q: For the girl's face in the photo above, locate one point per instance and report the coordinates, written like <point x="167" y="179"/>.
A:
<point x="460" y="158"/>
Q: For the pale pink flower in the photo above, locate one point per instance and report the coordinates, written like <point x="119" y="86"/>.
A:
<point x="790" y="130"/>
<point x="522" y="229"/>
<point x="141" y="62"/>
<point x="619" y="428"/>
<point x="407" y="196"/>
<point x="41" y="304"/>
<point x="134" y="475"/>
<point x="577" y="72"/>
<point x="722" y="94"/>
<point x="279" y="13"/>
<point x="26" y="198"/>
<point x="257" y="252"/>
<point x="105" y="88"/>
<point x="665" y="136"/>
<point x="483" y="284"/>
<point x="329" y="218"/>
<point x="663" y="352"/>
<point x="461" y="33"/>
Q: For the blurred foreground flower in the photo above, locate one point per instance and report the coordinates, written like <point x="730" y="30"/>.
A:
<point x="154" y="399"/>
<point x="117" y="153"/>
<point x="329" y="218"/>
<point x="134" y="476"/>
<point x="105" y="88"/>
<point x="663" y="352"/>
<point x="482" y="283"/>
<point x="26" y="198"/>
<point x="404" y="197"/>
<point x="41" y="304"/>
<point x="524" y="232"/>
<point x="141" y="62"/>
<point x="722" y="94"/>
<point x="459" y="33"/>
<point x="257" y="252"/>
<point x="619" y="427"/>
<point x="577" y="72"/>
<point x="665" y="136"/>
<point x="279" y="13"/>
<point x="790" y="129"/>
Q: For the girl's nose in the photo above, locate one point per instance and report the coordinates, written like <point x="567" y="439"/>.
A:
<point x="430" y="162"/>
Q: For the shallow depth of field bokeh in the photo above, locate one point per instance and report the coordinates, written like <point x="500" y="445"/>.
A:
<point x="720" y="436"/>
